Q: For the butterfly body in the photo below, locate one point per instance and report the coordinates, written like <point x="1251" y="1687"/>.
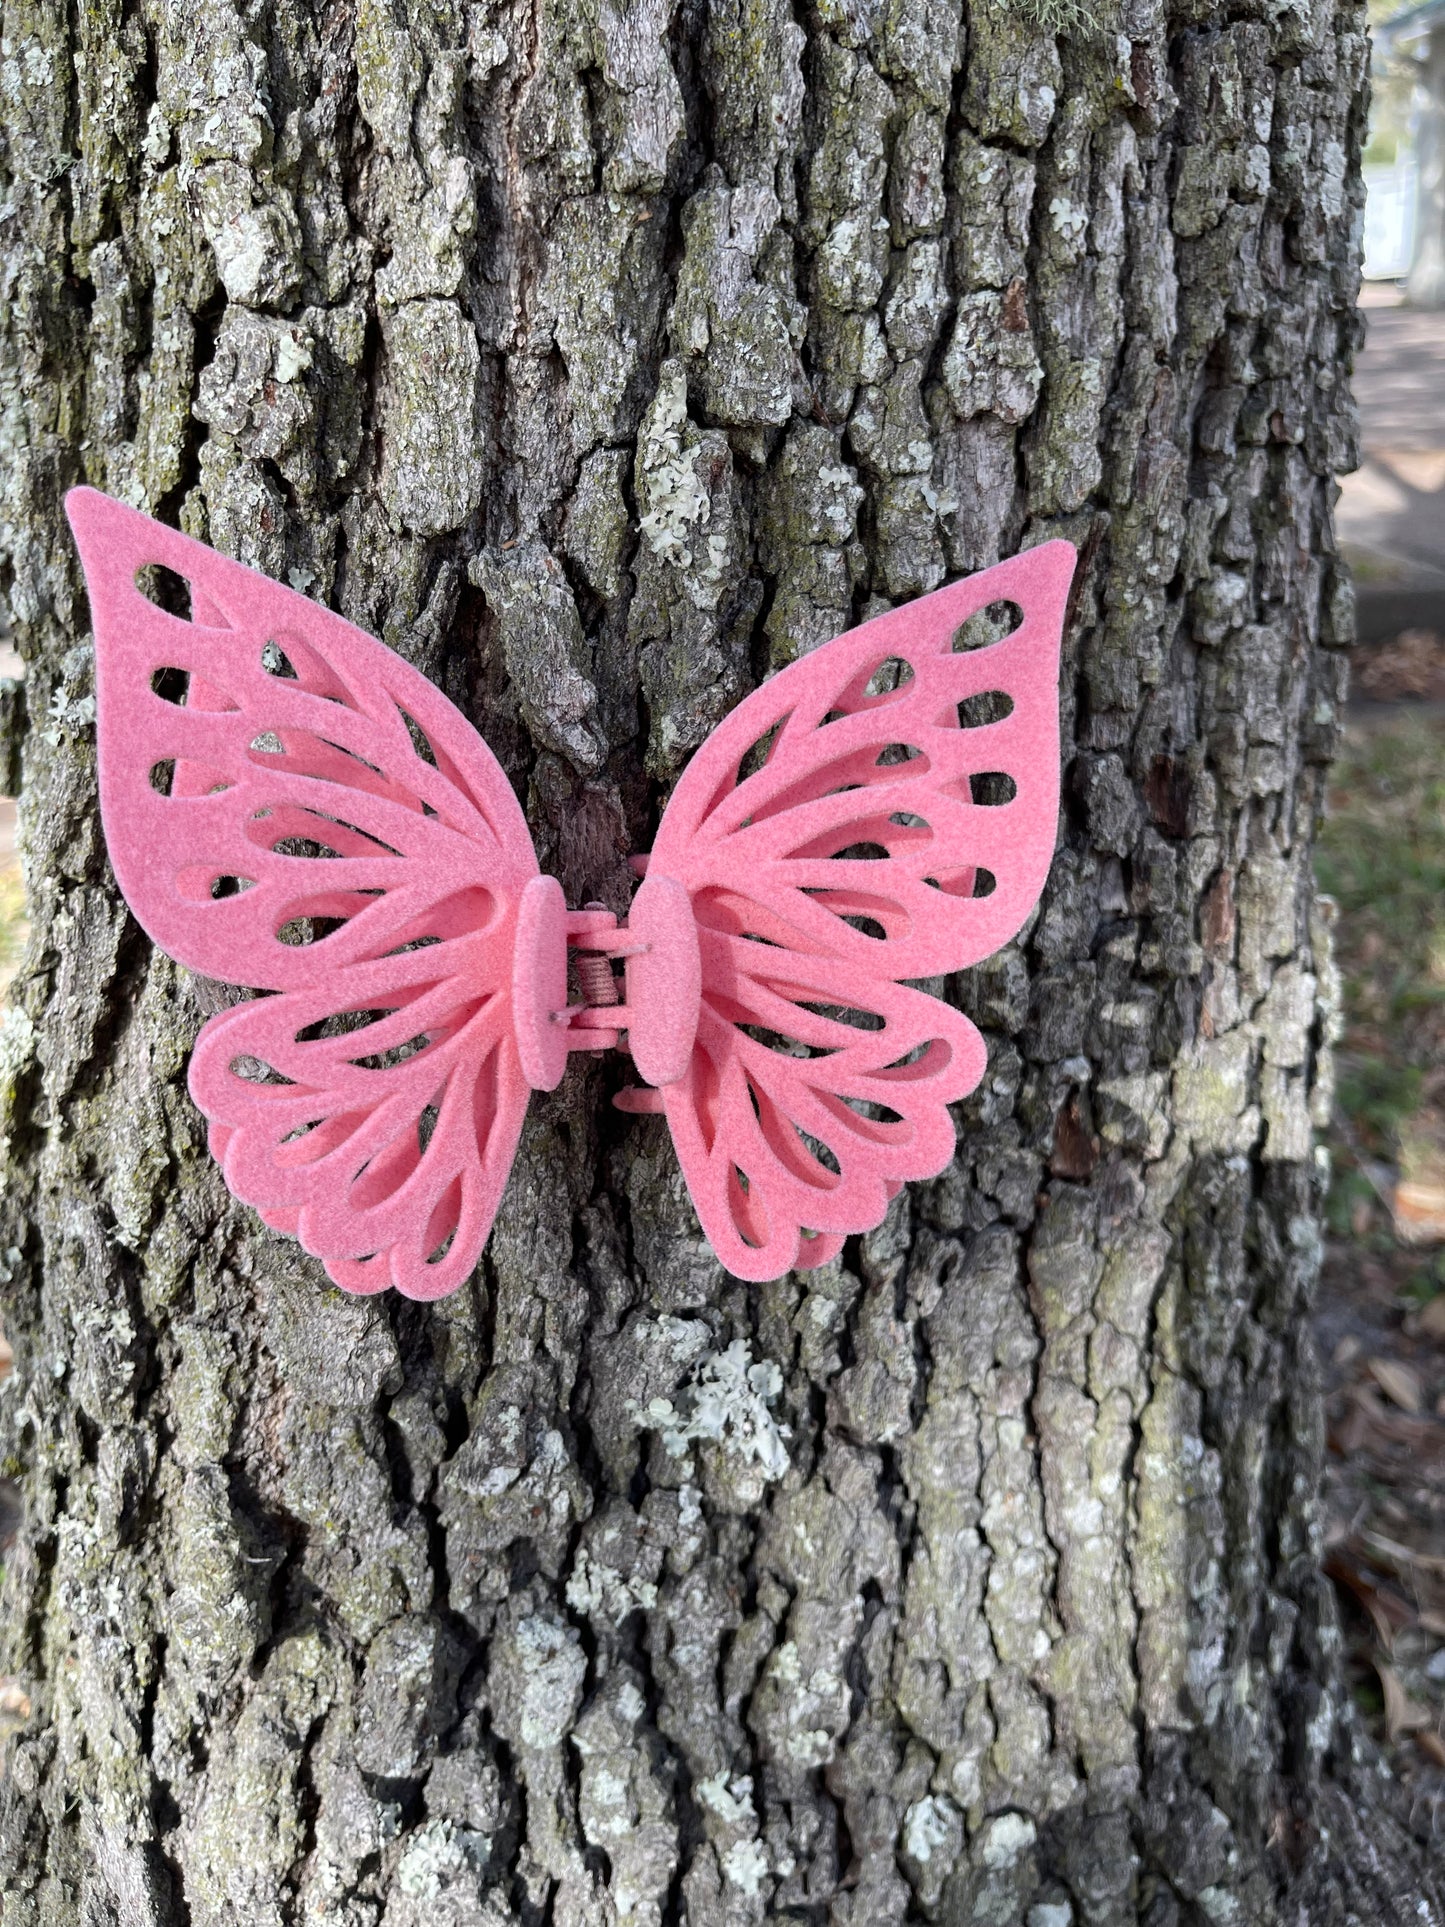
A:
<point x="292" y="808"/>
<point x="664" y="981"/>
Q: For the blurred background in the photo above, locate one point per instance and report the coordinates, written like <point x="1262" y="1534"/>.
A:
<point x="1381" y="1314"/>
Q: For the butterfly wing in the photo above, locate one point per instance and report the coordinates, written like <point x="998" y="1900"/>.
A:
<point x="882" y="810"/>
<point x="291" y="807"/>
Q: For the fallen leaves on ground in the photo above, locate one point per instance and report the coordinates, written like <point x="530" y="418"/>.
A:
<point x="1402" y="1714"/>
<point x="1398" y="1382"/>
<point x="1388" y="1609"/>
<point x="1410" y="665"/>
<point x="1385" y="1496"/>
<point x="1419" y="1211"/>
<point x="1418" y="1205"/>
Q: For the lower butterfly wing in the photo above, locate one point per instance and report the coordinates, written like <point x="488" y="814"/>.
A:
<point x="881" y="811"/>
<point x="381" y="1137"/>
<point x="809" y="1099"/>
<point x="290" y="807"/>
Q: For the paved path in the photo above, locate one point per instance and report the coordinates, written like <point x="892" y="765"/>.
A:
<point x="1391" y="515"/>
<point x="1400" y="376"/>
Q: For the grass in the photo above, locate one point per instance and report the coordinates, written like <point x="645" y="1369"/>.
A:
<point x="1381" y="855"/>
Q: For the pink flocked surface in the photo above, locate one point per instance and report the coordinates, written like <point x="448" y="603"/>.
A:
<point x="853" y="857"/>
<point x="275" y="821"/>
<point x="292" y="808"/>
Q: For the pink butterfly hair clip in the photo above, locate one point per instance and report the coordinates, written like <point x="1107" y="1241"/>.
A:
<point x="292" y="808"/>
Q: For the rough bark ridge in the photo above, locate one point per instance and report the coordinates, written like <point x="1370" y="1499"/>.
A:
<point x="599" y="354"/>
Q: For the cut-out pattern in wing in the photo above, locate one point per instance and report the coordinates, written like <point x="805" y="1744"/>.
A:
<point x="881" y="811"/>
<point x="292" y="808"/>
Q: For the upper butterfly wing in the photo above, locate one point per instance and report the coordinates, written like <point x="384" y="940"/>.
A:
<point x="290" y="806"/>
<point x="882" y="810"/>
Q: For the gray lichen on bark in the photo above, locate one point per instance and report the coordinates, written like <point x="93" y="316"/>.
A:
<point x="601" y="357"/>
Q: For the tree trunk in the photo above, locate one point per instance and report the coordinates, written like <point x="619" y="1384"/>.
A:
<point x="600" y="355"/>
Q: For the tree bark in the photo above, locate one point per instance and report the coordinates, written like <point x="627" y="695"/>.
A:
<point x="601" y="355"/>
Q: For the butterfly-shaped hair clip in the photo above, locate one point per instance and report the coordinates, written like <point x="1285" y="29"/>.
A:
<point x="292" y="808"/>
